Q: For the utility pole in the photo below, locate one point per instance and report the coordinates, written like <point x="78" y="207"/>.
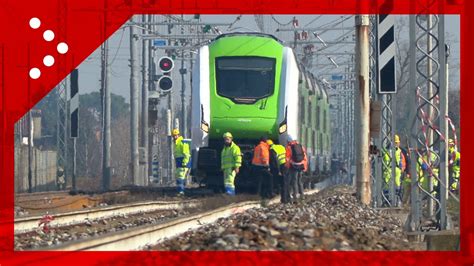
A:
<point x="134" y="84"/>
<point x="190" y="74"/>
<point x="169" y="120"/>
<point x="182" y="71"/>
<point x="362" y="109"/>
<point x="169" y="116"/>
<point x="30" y="153"/>
<point x="415" y="202"/>
<point x="443" y="102"/>
<point x="145" y="87"/>
<point x="429" y="70"/>
<point x="106" y="109"/>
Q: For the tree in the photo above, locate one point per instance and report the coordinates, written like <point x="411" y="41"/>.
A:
<point x="49" y="114"/>
<point x="403" y="96"/>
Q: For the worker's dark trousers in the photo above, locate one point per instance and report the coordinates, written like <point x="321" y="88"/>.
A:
<point x="265" y="181"/>
<point x="296" y="182"/>
<point x="285" y="191"/>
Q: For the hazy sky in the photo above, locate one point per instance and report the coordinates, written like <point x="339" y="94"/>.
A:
<point x="119" y="47"/>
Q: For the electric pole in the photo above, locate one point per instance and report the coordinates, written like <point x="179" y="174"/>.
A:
<point x="134" y="84"/>
<point x="362" y="109"/>
<point x="145" y="88"/>
<point x="106" y="109"/>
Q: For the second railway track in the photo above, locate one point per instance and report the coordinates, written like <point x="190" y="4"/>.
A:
<point x="27" y="224"/>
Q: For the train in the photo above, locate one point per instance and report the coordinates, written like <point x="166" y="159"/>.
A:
<point x="252" y="85"/>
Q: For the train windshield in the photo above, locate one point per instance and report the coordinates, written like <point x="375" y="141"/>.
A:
<point x="245" y="77"/>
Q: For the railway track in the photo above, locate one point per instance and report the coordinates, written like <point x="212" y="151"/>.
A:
<point x="22" y="225"/>
<point x="139" y="237"/>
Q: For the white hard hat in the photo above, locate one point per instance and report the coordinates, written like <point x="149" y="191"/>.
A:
<point x="291" y="138"/>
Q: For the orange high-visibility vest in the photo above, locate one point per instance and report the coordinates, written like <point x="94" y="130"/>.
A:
<point x="261" y="155"/>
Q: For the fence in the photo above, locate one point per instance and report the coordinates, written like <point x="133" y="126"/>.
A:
<point x="43" y="168"/>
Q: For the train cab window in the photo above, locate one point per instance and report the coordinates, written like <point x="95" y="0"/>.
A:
<point x="245" y="77"/>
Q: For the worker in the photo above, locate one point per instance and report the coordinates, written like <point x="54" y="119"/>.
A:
<point x="335" y="165"/>
<point x="454" y="165"/>
<point x="400" y="165"/>
<point x="61" y="182"/>
<point x="296" y="164"/>
<point x="406" y="178"/>
<point x="261" y="168"/>
<point x="181" y="156"/>
<point x="231" y="160"/>
<point x="427" y="169"/>
<point x="386" y="169"/>
<point x="277" y="168"/>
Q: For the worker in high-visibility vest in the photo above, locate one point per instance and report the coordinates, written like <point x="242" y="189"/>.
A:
<point x="296" y="164"/>
<point x="386" y="168"/>
<point x="277" y="168"/>
<point x="454" y="165"/>
<point x="400" y="164"/>
<point x="181" y="156"/>
<point x="426" y="169"/>
<point x="261" y="168"/>
<point x="231" y="160"/>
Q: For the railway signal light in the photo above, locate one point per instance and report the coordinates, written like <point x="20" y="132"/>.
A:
<point x="166" y="64"/>
<point x="165" y="83"/>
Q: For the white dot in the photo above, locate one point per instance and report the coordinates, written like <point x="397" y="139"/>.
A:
<point x="35" y="73"/>
<point x="48" y="35"/>
<point x="35" y="23"/>
<point x="48" y="60"/>
<point x="62" y="48"/>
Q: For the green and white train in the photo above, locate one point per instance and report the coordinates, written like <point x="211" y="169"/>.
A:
<point x="251" y="85"/>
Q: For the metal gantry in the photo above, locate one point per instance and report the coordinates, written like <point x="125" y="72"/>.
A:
<point x="61" y="132"/>
<point x="375" y="159"/>
<point x="429" y="140"/>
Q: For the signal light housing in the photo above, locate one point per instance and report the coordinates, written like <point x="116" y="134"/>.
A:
<point x="166" y="64"/>
<point x="165" y="83"/>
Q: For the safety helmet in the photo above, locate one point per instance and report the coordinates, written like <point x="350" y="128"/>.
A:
<point x="451" y="142"/>
<point x="397" y="139"/>
<point x="175" y="132"/>
<point x="270" y="142"/>
<point x="227" y="135"/>
<point x="291" y="138"/>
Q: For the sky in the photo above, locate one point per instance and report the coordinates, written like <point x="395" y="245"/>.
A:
<point x="119" y="44"/>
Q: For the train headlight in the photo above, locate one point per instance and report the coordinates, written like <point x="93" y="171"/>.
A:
<point x="204" y="127"/>
<point x="283" y="127"/>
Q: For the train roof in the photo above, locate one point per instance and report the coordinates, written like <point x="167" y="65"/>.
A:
<point x="256" y="34"/>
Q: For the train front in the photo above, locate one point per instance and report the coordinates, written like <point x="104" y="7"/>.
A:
<point x="237" y="88"/>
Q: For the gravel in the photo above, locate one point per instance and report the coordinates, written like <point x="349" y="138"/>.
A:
<point x="330" y="220"/>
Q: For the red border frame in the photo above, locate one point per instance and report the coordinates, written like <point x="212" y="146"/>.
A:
<point x="76" y="22"/>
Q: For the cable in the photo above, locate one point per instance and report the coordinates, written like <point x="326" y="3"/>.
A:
<point x="312" y="21"/>
<point x="118" y="48"/>
<point x="281" y="24"/>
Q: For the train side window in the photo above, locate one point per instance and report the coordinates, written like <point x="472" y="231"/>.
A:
<point x="302" y="113"/>
<point x="310" y="111"/>
<point x="322" y="143"/>
<point x="318" y="115"/>
<point x="325" y="121"/>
